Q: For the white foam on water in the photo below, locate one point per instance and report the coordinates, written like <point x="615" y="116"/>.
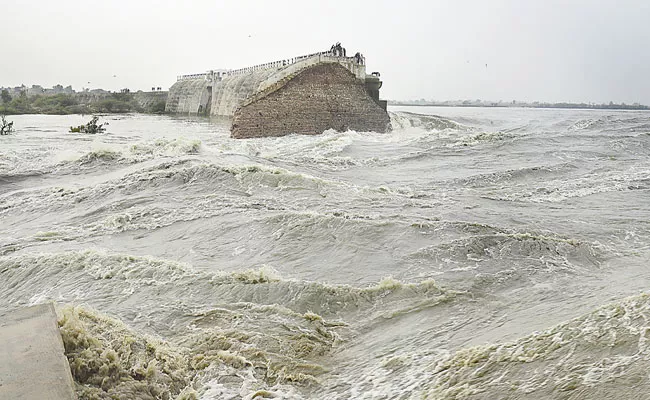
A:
<point x="301" y="267"/>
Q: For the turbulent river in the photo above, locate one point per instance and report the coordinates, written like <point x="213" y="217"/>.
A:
<point x="470" y="253"/>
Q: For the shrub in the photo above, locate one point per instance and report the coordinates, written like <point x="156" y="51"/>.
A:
<point x="6" y="127"/>
<point x="90" y="127"/>
<point x="5" y="96"/>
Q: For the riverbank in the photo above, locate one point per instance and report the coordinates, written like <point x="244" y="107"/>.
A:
<point x="85" y="103"/>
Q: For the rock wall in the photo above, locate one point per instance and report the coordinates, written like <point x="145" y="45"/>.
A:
<point x="320" y="97"/>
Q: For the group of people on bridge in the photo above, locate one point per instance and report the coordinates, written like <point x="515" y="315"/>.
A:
<point x="359" y="58"/>
<point x="339" y="51"/>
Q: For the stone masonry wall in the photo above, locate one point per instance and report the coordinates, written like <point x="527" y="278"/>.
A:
<point x="325" y="96"/>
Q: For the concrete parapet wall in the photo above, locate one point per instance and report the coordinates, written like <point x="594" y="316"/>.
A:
<point x="229" y="93"/>
<point x="185" y="96"/>
<point x="191" y="76"/>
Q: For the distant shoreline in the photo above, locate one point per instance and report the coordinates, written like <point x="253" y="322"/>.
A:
<point x="99" y="102"/>
<point x="568" y="106"/>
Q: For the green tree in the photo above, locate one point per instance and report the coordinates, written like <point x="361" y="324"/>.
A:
<point x="55" y="104"/>
<point x="6" y="97"/>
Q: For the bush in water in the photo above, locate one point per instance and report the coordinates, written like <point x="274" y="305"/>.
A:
<point x="90" y="127"/>
<point x="6" y="127"/>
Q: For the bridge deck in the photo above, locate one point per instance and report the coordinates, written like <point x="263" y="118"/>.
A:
<point x="32" y="360"/>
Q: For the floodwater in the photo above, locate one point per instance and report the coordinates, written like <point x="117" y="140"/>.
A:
<point x="471" y="253"/>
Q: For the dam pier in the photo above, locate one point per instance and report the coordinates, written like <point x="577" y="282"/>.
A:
<point x="33" y="365"/>
<point x="305" y="95"/>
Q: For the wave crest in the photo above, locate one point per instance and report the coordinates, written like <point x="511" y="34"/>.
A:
<point x="598" y="355"/>
<point x="402" y="120"/>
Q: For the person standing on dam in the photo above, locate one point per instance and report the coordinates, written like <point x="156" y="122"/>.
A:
<point x="337" y="50"/>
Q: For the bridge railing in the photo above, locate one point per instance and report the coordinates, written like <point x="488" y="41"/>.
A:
<point x="270" y="65"/>
<point x="284" y="63"/>
<point x="191" y="76"/>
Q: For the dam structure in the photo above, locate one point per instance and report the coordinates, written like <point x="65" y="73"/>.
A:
<point x="305" y="95"/>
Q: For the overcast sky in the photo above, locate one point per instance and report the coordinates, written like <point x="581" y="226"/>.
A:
<point x="547" y="50"/>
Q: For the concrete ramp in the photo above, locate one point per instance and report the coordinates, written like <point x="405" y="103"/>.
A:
<point x="32" y="360"/>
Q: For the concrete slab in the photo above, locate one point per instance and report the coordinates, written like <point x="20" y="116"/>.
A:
<point x="32" y="359"/>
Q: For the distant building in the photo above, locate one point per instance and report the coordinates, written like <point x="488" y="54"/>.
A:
<point x="59" y="89"/>
<point x="18" y="90"/>
<point x="35" y="90"/>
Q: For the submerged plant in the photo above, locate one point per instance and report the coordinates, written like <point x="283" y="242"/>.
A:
<point x="90" y="127"/>
<point x="6" y="127"/>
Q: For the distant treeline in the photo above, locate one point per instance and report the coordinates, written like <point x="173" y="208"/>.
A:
<point x="611" y="106"/>
<point x="76" y="103"/>
<point x="469" y="103"/>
